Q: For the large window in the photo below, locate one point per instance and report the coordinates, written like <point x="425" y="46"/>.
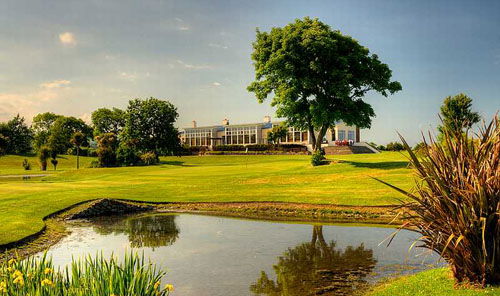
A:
<point x="341" y="135"/>
<point x="198" y="137"/>
<point x="294" y="135"/>
<point x="241" y="135"/>
<point x="351" y="136"/>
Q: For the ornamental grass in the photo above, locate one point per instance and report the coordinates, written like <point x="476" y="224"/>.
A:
<point x="456" y="202"/>
<point x="89" y="276"/>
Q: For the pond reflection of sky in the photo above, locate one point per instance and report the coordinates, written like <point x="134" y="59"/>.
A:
<point x="207" y="255"/>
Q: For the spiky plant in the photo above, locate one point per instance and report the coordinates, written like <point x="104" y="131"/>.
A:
<point x="456" y="203"/>
<point x="90" y="276"/>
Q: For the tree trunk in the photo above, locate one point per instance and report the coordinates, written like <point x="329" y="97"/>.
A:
<point x="77" y="157"/>
<point x="319" y="139"/>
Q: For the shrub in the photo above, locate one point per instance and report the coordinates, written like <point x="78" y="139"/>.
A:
<point x="54" y="163"/>
<point x="89" y="276"/>
<point x="127" y="153"/>
<point x="457" y="202"/>
<point x="26" y="165"/>
<point x="318" y="157"/>
<point x="94" y="164"/>
<point x="43" y="156"/>
<point x="395" y="146"/>
<point x="149" y="158"/>
<point x="381" y="148"/>
<point x="106" y="151"/>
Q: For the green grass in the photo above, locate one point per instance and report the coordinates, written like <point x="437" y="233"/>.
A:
<point x="436" y="282"/>
<point x="209" y="178"/>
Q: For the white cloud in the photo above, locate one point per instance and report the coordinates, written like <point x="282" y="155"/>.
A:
<point x="55" y="84"/>
<point x="216" y="84"/>
<point x="215" y="45"/>
<point x="128" y="76"/>
<point x="193" y="67"/>
<point x="181" y="25"/>
<point x="67" y="39"/>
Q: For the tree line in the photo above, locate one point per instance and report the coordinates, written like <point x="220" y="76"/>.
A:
<point x="140" y="133"/>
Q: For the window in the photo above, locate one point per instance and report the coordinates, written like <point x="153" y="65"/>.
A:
<point x="197" y="137"/>
<point x="241" y="135"/>
<point x="341" y="135"/>
<point x="351" y="136"/>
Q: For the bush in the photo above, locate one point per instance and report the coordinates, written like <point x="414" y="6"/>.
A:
<point x="94" y="164"/>
<point x="26" y="165"/>
<point x="149" y="158"/>
<point x="318" y="157"/>
<point x="395" y="146"/>
<point x="106" y="149"/>
<point x="43" y="156"/>
<point x="127" y="153"/>
<point x="89" y="276"/>
<point x="381" y="148"/>
<point x="457" y="200"/>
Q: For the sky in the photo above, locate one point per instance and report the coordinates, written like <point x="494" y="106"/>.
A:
<point x="72" y="57"/>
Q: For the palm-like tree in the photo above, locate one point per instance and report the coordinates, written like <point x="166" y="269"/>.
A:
<point x="78" y="139"/>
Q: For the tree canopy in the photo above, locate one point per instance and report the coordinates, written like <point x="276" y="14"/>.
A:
<point x="63" y="129"/>
<point x="457" y="114"/>
<point x="41" y="125"/>
<point x="16" y="136"/>
<point x="151" y="123"/>
<point x="317" y="76"/>
<point x="107" y="120"/>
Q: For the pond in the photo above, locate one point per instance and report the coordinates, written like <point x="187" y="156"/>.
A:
<point x="209" y="255"/>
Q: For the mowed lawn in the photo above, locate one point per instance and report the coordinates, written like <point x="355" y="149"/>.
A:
<point x="196" y="178"/>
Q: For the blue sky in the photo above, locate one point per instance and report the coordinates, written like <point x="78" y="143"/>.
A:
<point x="71" y="57"/>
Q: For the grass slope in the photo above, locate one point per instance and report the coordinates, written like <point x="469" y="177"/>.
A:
<point x="436" y="282"/>
<point x="210" y="178"/>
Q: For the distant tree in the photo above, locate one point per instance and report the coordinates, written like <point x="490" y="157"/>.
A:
<point x="107" y="120"/>
<point x="318" y="76"/>
<point x="54" y="161"/>
<point x="4" y="142"/>
<point x="394" y="146"/>
<point x="41" y="126"/>
<point x="78" y="140"/>
<point x="43" y="156"/>
<point x="277" y="133"/>
<point x="107" y="145"/>
<point x="63" y="129"/>
<point x="151" y="123"/>
<point x="457" y="114"/>
<point x="17" y="135"/>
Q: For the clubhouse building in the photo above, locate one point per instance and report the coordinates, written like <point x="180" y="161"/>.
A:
<point x="256" y="133"/>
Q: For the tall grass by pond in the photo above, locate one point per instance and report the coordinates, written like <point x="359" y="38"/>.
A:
<point x="89" y="276"/>
<point x="456" y="206"/>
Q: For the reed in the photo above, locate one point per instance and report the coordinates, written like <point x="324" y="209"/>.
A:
<point x="456" y="202"/>
<point x="89" y="276"/>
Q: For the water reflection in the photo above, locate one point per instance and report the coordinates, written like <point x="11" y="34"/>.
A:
<point x="151" y="231"/>
<point x="317" y="268"/>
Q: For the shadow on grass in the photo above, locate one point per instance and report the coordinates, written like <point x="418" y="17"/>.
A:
<point x="176" y="163"/>
<point x="386" y="165"/>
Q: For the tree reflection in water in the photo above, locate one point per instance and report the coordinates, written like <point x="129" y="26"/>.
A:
<point x="150" y="231"/>
<point x="317" y="268"/>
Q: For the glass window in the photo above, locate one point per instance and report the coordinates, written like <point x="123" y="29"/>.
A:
<point x="341" y="135"/>
<point x="351" y="136"/>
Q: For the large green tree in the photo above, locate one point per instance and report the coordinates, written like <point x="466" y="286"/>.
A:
<point x="317" y="76"/>
<point x="16" y="135"/>
<point x="150" y="123"/>
<point x="107" y="120"/>
<point x="457" y="114"/>
<point x="41" y="125"/>
<point x="63" y="129"/>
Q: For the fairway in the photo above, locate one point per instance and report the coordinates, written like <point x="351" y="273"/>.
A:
<point x="285" y="178"/>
